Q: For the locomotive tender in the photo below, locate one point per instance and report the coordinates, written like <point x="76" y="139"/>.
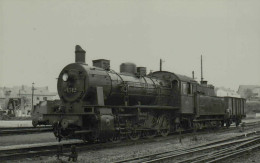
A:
<point x="98" y="103"/>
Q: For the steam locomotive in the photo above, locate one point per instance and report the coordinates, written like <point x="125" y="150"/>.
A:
<point x="98" y="103"/>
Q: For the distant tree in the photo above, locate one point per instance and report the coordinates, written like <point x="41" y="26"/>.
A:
<point x="248" y="93"/>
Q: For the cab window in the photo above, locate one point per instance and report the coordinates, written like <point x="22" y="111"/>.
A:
<point x="184" y="88"/>
<point x="187" y="88"/>
<point x="175" y="85"/>
<point x="190" y="88"/>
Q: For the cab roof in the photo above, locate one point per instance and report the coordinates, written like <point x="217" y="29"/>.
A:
<point x="173" y="75"/>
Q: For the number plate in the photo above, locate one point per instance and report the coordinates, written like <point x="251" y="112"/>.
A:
<point x="70" y="90"/>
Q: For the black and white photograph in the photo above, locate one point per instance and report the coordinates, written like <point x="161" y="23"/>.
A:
<point x="129" y="81"/>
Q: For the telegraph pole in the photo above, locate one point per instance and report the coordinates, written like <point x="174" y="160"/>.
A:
<point x="201" y="69"/>
<point x="161" y="61"/>
<point x="32" y="94"/>
<point x="160" y="64"/>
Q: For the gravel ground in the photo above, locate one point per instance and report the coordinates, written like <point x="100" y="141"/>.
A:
<point x="253" y="156"/>
<point x="120" y="153"/>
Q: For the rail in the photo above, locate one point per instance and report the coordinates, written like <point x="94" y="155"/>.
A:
<point x="24" y="130"/>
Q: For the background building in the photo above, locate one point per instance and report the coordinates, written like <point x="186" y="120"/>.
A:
<point x="23" y="94"/>
<point x="222" y="92"/>
<point x="249" y="92"/>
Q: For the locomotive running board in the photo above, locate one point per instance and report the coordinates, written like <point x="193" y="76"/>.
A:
<point x="135" y="106"/>
<point x="200" y="120"/>
<point x="155" y="107"/>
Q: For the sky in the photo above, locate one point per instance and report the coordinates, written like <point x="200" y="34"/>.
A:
<point x="38" y="38"/>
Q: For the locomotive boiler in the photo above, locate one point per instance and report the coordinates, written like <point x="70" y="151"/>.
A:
<point x="98" y="103"/>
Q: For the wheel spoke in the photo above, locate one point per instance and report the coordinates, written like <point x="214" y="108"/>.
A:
<point x="164" y="132"/>
<point x="164" y="126"/>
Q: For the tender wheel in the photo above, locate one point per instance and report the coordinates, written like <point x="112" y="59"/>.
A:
<point x="164" y="132"/>
<point x="228" y="124"/>
<point x="237" y="123"/>
<point x="222" y="123"/>
<point x="88" y="139"/>
<point x="134" y="135"/>
<point x="196" y="126"/>
<point x="218" y="124"/>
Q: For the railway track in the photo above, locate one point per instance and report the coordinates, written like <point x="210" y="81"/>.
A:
<point x="43" y="149"/>
<point x="230" y="151"/>
<point x="209" y="152"/>
<point x="23" y="130"/>
<point x="228" y="148"/>
<point x="252" y="123"/>
<point x="15" y="152"/>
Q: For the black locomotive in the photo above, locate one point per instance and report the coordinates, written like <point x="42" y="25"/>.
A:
<point x="98" y="103"/>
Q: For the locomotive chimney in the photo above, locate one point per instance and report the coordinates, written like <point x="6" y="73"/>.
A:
<point x="79" y="54"/>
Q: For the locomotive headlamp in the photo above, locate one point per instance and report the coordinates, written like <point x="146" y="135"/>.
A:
<point x="65" y="77"/>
